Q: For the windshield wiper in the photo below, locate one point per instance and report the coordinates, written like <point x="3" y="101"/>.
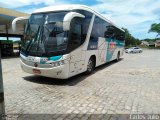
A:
<point x="35" y="38"/>
<point x="40" y="38"/>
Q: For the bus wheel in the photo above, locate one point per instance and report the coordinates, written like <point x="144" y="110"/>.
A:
<point x="90" y="66"/>
<point x="118" y="56"/>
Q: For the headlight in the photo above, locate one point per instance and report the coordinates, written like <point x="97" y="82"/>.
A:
<point x="57" y="63"/>
<point x="61" y="62"/>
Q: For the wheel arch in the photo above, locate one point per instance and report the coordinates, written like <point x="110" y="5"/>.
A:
<point x="94" y="58"/>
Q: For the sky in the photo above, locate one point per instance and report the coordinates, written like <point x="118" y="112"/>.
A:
<point x="135" y="15"/>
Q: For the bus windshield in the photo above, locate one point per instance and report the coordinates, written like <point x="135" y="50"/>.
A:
<point x="44" y="35"/>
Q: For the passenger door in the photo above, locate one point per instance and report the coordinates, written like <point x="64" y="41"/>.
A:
<point x="76" y="50"/>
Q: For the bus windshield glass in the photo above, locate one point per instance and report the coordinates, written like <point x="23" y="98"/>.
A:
<point x="44" y="35"/>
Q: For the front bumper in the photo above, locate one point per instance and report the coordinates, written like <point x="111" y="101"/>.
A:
<point x="60" y="72"/>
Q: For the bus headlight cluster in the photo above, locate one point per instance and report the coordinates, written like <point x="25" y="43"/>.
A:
<point x="57" y="63"/>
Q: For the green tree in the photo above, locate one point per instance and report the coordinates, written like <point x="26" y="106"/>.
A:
<point x="129" y="39"/>
<point x="155" y="27"/>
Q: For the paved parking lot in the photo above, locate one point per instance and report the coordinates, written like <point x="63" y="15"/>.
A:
<point x="130" y="86"/>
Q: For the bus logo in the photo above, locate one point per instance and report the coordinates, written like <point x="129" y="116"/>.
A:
<point x="112" y="45"/>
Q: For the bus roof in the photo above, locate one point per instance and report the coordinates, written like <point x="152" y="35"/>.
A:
<point x="73" y="7"/>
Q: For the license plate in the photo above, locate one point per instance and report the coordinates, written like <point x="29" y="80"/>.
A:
<point x="36" y="71"/>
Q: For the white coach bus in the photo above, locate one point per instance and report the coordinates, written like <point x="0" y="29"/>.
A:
<point x="63" y="41"/>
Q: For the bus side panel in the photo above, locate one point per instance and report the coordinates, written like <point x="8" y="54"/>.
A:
<point x="76" y="62"/>
<point x="102" y="51"/>
<point x="114" y="46"/>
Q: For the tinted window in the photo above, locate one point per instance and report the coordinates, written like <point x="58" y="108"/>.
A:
<point x="119" y="35"/>
<point x="110" y="32"/>
<point x="98" y="30"/>
<point x="85" y="22"/>
<point x="79" y="29"/>
<point x="44" y="35"/>
<point x="114" y="33"/>
<point x="76" y="33"/>
<point x="99" y="27"/>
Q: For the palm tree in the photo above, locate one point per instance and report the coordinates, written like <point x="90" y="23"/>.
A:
<point x="155" y="27"/>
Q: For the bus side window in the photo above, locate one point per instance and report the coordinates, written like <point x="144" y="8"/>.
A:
<point x="110" y="32"/>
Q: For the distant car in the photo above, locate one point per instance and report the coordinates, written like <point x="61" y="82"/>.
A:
<point x="134" y="50"/>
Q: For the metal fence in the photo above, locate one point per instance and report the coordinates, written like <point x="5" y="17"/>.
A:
<point x="2" y="110"/>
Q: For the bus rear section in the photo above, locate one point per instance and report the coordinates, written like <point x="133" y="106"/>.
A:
<point x="106" y="41"/>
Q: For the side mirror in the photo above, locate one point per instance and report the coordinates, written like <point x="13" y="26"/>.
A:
<point x="67" y="19"/>
<point x="18" y="19"/>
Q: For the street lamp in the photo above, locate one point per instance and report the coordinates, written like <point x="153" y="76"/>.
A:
<point x="2" y="110"/>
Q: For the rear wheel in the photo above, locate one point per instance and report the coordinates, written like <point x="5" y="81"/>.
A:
<point x="90" y="66"/>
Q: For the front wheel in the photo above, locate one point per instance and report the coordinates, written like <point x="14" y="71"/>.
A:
<point x="118" y="56"/>
<point x="90" y="66"/>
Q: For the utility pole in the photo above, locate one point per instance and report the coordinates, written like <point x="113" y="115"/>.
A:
<point x="2" y="110"/>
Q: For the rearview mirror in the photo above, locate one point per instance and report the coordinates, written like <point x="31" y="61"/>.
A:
<point x="67" y="19"/>
<point x="18" y="19"/>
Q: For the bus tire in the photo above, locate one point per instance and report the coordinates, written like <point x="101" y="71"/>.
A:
<point x="90" y="66"/>
<point x="118" y="56"/>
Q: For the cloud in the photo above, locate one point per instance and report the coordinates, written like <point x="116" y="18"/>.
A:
<point x="28" y="6"/>
<point x="135" y="15"/>
<point x="131" y="14"/>
<point x="19" y="3"/>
